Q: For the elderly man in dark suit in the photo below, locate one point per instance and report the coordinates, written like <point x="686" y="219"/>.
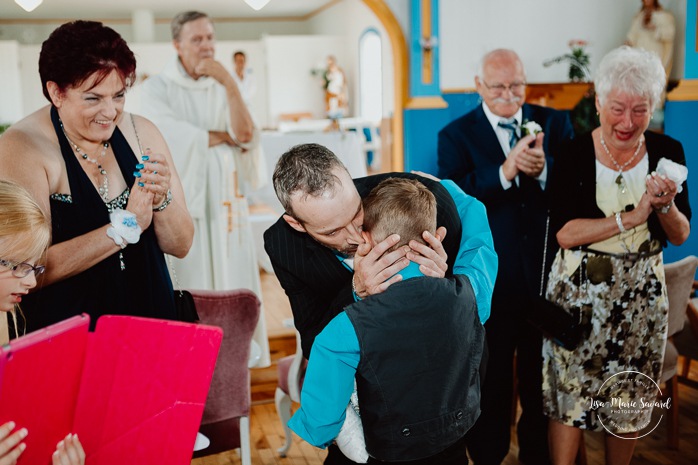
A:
<point x="321" y="260"/>
<point x="487" y="153"/>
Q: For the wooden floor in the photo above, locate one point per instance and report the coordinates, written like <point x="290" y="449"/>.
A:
<point x="267" y="434"/>
<point x="277" y="310"/>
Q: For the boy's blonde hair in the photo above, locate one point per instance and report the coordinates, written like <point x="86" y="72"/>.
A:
<point x="400" y="206"/>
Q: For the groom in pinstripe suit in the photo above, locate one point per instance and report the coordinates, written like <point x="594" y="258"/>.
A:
<point x="316" y="245"/>
<point x="317" y="251"/>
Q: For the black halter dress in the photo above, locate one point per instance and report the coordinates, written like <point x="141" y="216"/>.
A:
<point x="141" y="288"/>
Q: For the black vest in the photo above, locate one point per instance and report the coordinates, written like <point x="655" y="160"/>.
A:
<point x="418" y="379"/>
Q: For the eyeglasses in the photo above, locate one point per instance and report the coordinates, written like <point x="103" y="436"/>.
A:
<point x="21" y="270"/>
<point x="514" y="87"/>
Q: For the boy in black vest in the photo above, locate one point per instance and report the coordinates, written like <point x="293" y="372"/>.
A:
<point x="414" y="350"/>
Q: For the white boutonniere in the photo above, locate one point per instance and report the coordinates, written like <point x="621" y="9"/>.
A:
<point x="530" y="127"/>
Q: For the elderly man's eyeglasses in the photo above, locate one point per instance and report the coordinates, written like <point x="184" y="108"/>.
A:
<point x="20" y="270"/>
<point x="514" y="87"/>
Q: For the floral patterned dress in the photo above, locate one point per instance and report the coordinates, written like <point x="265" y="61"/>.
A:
<point x="621" y="290"/>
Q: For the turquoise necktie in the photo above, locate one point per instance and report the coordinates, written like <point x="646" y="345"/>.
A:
<point x="510" y="125"/>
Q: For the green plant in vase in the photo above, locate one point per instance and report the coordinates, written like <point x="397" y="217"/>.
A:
<point x="579" y="62"/>
<point x="578" y="59"/>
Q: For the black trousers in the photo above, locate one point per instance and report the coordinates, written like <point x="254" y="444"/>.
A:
<point x="489" y="439"/>
<point x="454" y="455"/>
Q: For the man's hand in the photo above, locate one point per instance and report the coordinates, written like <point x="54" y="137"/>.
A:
<point x="375" y="270"/>
<point x="531" y="161"/>
<point x="241" y="122"/>
<point x="431" y="258"/>
<point x="214" y="69"/>
<point x="510" y="167"/>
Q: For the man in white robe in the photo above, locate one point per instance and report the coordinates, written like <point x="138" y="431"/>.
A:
<point x="199" y="109"/>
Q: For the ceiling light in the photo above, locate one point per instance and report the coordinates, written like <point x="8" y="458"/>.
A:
<point x="256" y="4"/>
<point x="28" y="5"/>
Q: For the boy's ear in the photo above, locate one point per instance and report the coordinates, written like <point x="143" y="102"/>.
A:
<point x="367" y="237"/>
<point x="294" y="223"/>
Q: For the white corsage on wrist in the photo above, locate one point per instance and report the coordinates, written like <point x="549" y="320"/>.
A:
<point x="124" y="229"/>
<point x="674" y="171"/>
<point x="530" y="127"/>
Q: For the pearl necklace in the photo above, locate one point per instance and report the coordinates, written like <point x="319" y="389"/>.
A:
<point x="620" y="181"/>
<point x="104" y="188"/>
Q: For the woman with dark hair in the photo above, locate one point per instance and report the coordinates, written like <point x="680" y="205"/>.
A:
<point x="618" y="196"/>
<point x="105" y="178"/>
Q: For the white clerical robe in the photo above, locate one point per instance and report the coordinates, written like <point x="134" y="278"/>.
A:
<point x="247" y="86"/>
<point x="223" y="255"/>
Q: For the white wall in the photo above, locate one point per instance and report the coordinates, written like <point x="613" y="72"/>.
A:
<point x="32" y="96"/>
<point x="10" y="86"/>
<point x="351" y="18"/>
<point x="401" y="11"/>
<point x="537" y="30"/>
<point x="225" y="30"/>
<point x="291" y="87"/>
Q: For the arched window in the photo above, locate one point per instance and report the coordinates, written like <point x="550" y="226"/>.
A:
<point x="370" y="76"/>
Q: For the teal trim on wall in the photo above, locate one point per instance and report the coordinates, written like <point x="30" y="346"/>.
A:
<point x="460" y="104"/>
<point x="679" y="123"/>
<point x="422" y="129"/>
<point x="691" y="64"/>
<point x="417" y="88"/>
<point x="421" y="135"/>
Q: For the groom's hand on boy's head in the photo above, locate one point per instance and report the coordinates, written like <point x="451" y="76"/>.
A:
<point x="374" y="269"/>
<point x="432" y="257"/>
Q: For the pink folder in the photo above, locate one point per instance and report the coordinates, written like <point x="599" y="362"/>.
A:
<point x="133" y="391"/>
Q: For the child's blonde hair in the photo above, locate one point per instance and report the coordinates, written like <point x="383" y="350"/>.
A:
<point x="25" y="231"/>
<point x="400" y="206"/>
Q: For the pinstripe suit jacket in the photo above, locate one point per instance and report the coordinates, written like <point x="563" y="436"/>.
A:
<point x="315" y="281"/>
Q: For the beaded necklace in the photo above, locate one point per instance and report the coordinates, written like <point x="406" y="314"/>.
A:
<point x="620" y="180"/>
<point x="104" y="188"/>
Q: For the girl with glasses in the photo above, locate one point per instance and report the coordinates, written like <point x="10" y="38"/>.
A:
<point x="25" y="234"/>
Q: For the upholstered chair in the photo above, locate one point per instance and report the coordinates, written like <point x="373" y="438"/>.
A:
<point x="226" y="414"/>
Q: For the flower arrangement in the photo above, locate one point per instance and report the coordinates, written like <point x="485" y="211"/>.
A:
<point x="578" y="59"/>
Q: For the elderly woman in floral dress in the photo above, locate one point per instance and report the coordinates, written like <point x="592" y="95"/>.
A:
<point x="612" y="213"/>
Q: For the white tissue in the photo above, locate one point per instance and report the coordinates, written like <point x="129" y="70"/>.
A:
<point x="674" y="171"/>
<point x="350" y="439"/>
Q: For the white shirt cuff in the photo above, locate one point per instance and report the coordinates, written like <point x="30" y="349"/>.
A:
<point x="505" y="184"/>
<point x="543" y="177"/>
